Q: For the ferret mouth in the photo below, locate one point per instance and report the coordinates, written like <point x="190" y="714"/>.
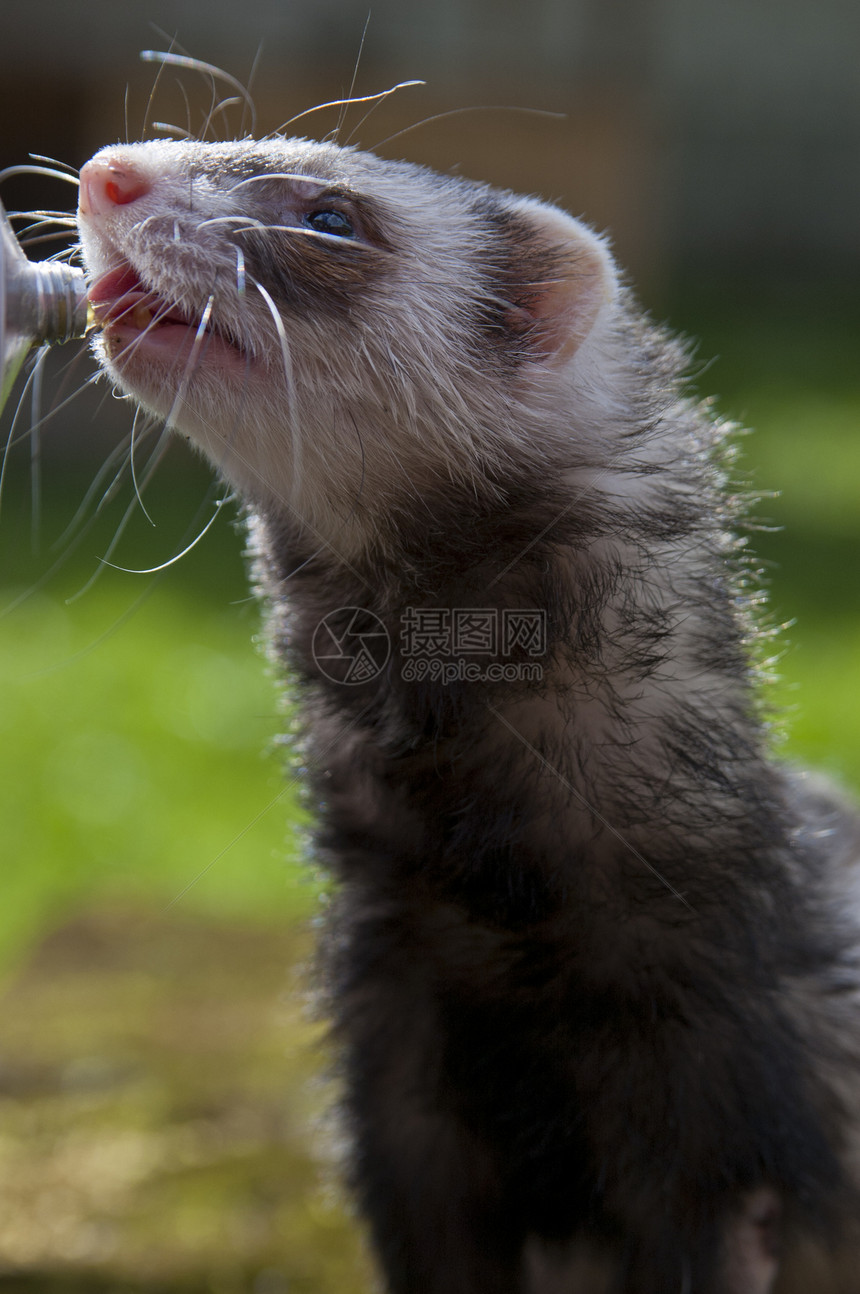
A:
<point x="138" y="322"/>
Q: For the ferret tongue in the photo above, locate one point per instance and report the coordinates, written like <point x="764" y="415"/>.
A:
<point x="113" y="284"/>
<point x="119" y="296"/>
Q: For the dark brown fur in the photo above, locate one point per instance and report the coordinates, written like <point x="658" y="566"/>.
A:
<point x="538" y="1045"/>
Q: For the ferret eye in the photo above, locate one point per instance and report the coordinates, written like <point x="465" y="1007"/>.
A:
<point x="330" y="222"/>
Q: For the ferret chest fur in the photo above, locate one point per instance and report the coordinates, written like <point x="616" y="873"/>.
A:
<point x="590" y="995"/>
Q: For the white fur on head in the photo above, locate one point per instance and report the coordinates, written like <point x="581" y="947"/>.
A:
<point x="450" y="343"/>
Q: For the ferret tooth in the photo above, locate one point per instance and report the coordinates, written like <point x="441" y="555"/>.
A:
<point x="141" y="315"/>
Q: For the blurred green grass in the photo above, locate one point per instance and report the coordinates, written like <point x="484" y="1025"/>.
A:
<point x="134" y="738"/>
<point x="787" y="369"/>
<point x="138" y="724"/>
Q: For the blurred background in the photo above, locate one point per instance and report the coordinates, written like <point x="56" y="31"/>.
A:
<point x="160" y="1122"/>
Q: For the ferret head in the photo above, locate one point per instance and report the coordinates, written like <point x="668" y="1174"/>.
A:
<point x="340" y="334"/>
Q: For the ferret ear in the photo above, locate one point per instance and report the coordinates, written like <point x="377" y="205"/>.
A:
<point x="562" y="277"/>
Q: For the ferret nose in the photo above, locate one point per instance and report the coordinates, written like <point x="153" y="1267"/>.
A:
<point x="106" y="184"/>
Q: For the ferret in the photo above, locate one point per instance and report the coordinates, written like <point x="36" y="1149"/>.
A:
<point x="593" y="966"/>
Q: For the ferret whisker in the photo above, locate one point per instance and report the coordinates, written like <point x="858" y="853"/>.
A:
<point x="55" y="162"/>
<point x="303" y="521"/>
<point x="187" y="103"/>
<point x="372" y="109"/>
<point x="24" y="168"/>
<point x="66" y="255"/>
<point x="47" y="576"/>
<point x="85" y="513"/>
<point x="132" y="465"/>
<point x="363" y="474"/>
<point x="165" y="128"/>
<point x="478" y="107"/>
<point x="152" y="427"/>
<point x="172" y="39"/>
<point x="131" y="347"/>
<point x="286" y="361"/>
<point x="241" y="223"/>
<point x="40" y="239"/>
<point x="277" y="175"/>
<point x="191" y="362"/>
<point x="40" y="219"/>
<point x="34" y="427"/>
<point x="343" y="110"/>
<point x="205" y="69"/>
<point x="154" y="462"/>
<point x="154" y="87"/>
<point x="224" y="106"/>
<point x="42" y="213"/>
<point x="241" y="275"/>
<point x="142" y="226"/>
<point x="69" y="541"/>
<point x="337" y="103"/>
<point x="36" y="450"/>
<point x="238" y="222"/>
<point x="162" y="312"/>
<point x="207" y="119"/>
<point x="11" y="439"/>
<point x="245" y="128"/>
<point x="117" y="462"/>
<point x="178" y="556"/>
<point x="352" y="246"/>
<point x="330" y="240"/>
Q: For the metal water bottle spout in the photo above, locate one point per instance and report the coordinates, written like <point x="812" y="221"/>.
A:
<point x="41" y="302"/>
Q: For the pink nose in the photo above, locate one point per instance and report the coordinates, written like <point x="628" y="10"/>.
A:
<point x="107" y="184"/>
